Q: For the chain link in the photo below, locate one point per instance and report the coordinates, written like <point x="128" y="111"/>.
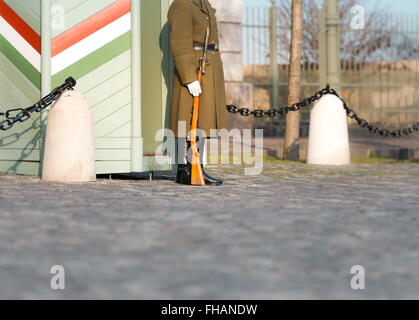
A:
<point x="21" y="115"/>
<point x="282" y="111"/>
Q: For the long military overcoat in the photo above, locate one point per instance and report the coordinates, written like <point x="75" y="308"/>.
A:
<point x="188" y="21"/>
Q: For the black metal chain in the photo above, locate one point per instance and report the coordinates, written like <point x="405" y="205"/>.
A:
<point x="21" y="115"/>
<point x="282" y="111"/>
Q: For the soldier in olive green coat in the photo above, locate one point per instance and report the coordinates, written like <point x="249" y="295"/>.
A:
<point x="189" y="20"/>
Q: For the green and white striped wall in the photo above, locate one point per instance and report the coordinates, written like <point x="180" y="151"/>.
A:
<point x="118" y="50"/>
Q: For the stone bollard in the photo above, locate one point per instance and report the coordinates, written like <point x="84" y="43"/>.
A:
<point x="328" y="142"/>
<point x="69" y="144"/>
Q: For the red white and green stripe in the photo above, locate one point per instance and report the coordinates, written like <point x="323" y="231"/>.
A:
<point x="76" y="52"/>
<point x="20" y="44"/>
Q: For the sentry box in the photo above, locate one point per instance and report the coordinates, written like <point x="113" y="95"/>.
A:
<point x="119" y="53"/>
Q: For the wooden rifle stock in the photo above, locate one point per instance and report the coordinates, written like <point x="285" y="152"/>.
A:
<point x="197" y="175"/>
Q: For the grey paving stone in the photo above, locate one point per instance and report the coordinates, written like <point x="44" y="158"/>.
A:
<point x="293" y="232"/>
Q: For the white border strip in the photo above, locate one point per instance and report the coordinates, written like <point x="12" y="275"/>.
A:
<point x="92" y="43"/>
<point x="20" y="44"/>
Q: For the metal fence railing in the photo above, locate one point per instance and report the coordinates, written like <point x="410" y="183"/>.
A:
<point x="379" y="63"/>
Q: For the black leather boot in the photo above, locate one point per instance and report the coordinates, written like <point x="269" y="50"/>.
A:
<point x="184" y="171"/>
<point x="184" y="174"/>
<point x="211" y="181"/>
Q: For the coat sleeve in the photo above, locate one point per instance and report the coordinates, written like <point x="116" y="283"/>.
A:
<point x="181" y="41"/>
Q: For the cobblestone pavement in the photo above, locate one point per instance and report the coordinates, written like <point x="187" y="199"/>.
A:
<point x="293" y="232"/>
